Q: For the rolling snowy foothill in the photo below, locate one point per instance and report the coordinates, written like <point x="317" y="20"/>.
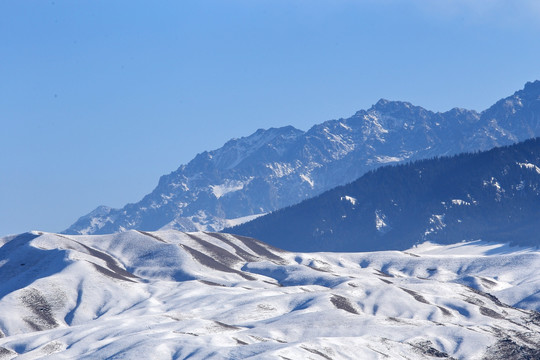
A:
<point x="170" y="294"/>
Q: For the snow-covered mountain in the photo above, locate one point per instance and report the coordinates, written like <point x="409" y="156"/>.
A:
<point x="274" y="168"/>
<point x="165" y="295"/>
<point x="492" y="195"/>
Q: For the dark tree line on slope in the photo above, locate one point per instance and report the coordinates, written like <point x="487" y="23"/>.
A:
<point x="491" y="195"/>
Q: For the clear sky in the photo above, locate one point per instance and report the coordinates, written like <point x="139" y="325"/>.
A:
<point x="100" y="98"/>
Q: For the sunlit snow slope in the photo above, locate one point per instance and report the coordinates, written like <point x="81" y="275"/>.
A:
<point x="168" y="294"/>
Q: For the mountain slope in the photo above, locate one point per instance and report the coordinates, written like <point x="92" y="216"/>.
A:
<point x="493" y="196"/>
<point x="274" y="168"/>
<point x="216" y="296"/>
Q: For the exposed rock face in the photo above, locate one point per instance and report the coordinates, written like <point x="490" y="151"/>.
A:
<point x="275" y="168"/>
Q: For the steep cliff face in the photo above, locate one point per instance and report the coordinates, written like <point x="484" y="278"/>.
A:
<point x="274" y="168"/>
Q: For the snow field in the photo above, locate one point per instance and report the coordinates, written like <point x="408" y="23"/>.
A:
<point x="173" y="295"/>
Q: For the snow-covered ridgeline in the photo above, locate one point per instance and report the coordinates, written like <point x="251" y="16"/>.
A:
<point x="207" y="295"/>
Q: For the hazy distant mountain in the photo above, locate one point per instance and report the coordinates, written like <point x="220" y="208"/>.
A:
<point x="492" y="196"/>
<point x="171" y="295"/>
<point x="274" y="168"/>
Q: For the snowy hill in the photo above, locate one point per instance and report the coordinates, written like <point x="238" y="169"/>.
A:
<point x="274" y="168"/>
<point x="169" y="294"/>
<point x="492" y="195"/>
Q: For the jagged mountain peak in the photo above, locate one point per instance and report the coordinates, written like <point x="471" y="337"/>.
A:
<point x="277" y="167"/>
<point x="528" y="96"/>
<point x="235" y="151"/>
<point x="262" y="136"/>
<point x="101" y="210"/>
<point x="96" y="219"/>
<point x="387" y="115"/>
<point x="459" y="111"/>
<point x="516" y="117"/>
<point x="392" y="106"/>
<point x="531" y="88"/>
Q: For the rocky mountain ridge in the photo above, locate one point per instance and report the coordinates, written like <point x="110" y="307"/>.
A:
<point x="278" y="167"/>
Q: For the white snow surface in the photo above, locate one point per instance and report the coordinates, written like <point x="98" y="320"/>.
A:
<point x="350" y="199"/>
<point x="228" y="187"/>
<point x="460" y="202"/>
<point x="530" y="166"/>
<point x="380" y="221"/>
<point x="388" y="159"/>
<point x="241" y="220"/>
<point x="280" y="170"/>
<point x="307" y="179"/>
<point x="201" y="221"/>
<point x="174" y="295"/>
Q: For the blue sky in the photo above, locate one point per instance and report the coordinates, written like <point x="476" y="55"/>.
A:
<point x="100" y="98"/>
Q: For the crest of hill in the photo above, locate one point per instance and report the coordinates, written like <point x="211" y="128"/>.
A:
<point x="132" y="293"/>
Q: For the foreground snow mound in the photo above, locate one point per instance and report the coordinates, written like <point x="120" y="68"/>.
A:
<point x="168" y="294"/>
